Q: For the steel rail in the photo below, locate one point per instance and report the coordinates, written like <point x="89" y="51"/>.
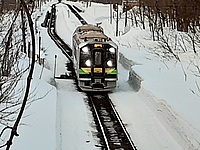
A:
<point x="120" y="135"/>
<point x="100" y="124"/>
<point x="65" y="48"/>
<point x="67" y="51"/>
<point x="80" y="18"/>
<point x="122" y="125"/>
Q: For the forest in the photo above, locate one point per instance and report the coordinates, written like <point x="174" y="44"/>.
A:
<point x="179" y="13"/>
<point x="173" y="15"/>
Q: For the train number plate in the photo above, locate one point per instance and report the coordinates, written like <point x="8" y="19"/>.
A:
<point x="97" y="70"/>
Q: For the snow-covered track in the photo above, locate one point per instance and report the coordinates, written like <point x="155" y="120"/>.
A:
<point x="113" y="133"/>
<point x="65" y="48"/>
<point x="76" y="14"/>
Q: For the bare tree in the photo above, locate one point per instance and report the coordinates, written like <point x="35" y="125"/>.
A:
<point x="11" y="70"/>
<point x="2" y="6"/>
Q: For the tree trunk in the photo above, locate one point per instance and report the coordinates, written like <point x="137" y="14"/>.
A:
<point x="29" y="79"/>
<point x="23" y="31"/>
<point x="2" y="6"/>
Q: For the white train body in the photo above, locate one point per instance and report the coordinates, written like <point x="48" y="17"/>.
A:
<point x="95" y="59"/>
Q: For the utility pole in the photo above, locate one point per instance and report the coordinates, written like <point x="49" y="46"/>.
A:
<point x="110" y="13"/>
<point x="126" y="4"/>
<point x="39" y="48"/>
<point x="55" y="66"/>
<point x="117" y="22"/>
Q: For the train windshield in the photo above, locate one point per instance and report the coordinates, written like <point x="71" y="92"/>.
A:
<point x="85" y="58"/>
<point x="111" y="57"/>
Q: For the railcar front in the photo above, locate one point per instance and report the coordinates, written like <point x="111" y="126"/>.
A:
<point x="97" y="67"/>
<point x="95" y="59"/>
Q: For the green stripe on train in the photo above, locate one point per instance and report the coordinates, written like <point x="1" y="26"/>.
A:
<point x="81" y="71"/>
<point x="112" y="71"/>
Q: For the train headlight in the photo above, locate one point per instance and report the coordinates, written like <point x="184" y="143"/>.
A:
<point x="112" y="50"/>
<point x="110" y="63"/>
<point x="88" y="63"/>
<point x="85" y="49"/>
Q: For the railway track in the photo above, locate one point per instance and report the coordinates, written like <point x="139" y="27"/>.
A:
<point x="76" y="14"/>
<point x="65" y="48"/>
<point x="113" y="132"/>
<point x="109" y="124"/>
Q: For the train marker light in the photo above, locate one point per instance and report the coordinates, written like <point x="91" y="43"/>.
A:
<point x="98" y="45"/>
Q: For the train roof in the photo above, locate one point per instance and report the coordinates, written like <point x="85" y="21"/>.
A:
<point x="93" y="34"/>
<point x="89" y="27"/>
<point x="90" y="33"/>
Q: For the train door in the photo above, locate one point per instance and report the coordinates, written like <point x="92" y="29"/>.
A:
<point x="98" y="69"/>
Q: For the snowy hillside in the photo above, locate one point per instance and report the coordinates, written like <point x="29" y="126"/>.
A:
<point x="160" y="114"/>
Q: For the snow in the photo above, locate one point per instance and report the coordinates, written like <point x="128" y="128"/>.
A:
<point x="38" y="123"/>
<point x="161" y="115"/>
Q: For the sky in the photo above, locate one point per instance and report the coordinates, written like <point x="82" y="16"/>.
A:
<point x="160" y="113"/>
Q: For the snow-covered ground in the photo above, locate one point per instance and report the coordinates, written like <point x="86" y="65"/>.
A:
<point x="161" y="115"/>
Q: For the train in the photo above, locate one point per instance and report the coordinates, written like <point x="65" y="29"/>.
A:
<point x="95" y="58"/>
